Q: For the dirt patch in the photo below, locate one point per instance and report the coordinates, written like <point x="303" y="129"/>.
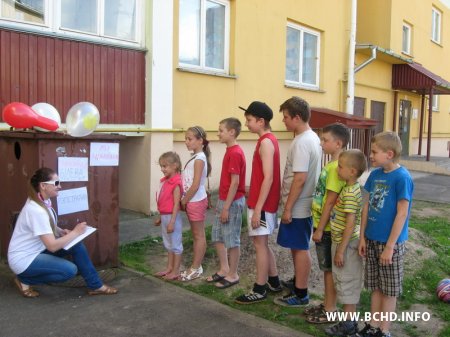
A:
<point x="425" y="209"/>
<point x="427" y="323"/>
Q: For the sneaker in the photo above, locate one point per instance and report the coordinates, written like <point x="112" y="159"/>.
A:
<point x="342" y="329"/>
<point x="251" y="298"/>
<point x="292" y="301"/>
<point x="272" y="289"/>
<point x="369" y="331"/>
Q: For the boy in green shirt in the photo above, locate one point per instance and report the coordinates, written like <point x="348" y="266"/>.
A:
<point x="334" y="139"/>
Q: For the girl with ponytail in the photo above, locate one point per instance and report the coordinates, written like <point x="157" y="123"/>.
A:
<point x="195" y="200"/>
<point x="35" y="252"/>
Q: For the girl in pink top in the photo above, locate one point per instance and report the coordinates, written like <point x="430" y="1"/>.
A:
<point x="168" y="199"/>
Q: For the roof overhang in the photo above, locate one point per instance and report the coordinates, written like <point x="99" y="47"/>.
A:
<point x="406" y="74"/>
<point x="321" y="117"/>
<point x="414" y="77"/>
<point x="385" y="55"/>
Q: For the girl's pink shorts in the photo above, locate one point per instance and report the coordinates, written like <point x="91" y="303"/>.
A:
<point x="196" y="211"/>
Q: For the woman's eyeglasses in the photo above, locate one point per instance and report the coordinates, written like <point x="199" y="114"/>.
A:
<point x="52" y="182"/>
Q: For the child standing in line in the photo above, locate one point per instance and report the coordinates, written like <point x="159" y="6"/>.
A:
<point x="333" y="140"/>
<point x="384" y="229"/>
<point x="226" y="230"/>
<point x="299" y="180"/>
<point x="345" y="224"/>
<point x="262" y="202"/>
<point x="194" y="200"/>
<point x="168" y="200"/>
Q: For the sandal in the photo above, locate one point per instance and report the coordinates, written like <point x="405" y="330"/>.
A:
<point x="107" y="290"/>
<point x="312" y="309"/>
<point x="29" y="292"/>
<point x="320" y="317"/>
<point x="191" y="274"/>
<point x="214" y="278"/>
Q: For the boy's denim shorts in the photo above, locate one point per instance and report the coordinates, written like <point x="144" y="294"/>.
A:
<point x="230" y="232"/>
<point x="323" y="250"/>
<point x="388" y="278"/>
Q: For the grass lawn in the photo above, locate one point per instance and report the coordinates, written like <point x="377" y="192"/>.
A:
<point x="419" y="285"/>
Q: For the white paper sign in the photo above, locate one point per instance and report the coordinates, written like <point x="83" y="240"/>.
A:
<point x="104" y="154"/>
<point x="89" y="231"/>
<point x="72" y="201"/>
<point x="73" y="168"/>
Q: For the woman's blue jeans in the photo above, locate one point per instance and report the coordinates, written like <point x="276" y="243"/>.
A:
<point x="50" y="267"/>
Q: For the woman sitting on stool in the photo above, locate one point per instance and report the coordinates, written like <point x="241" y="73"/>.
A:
<point x="36" y="253"/>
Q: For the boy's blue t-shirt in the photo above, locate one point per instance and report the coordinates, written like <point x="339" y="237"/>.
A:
<point x="386" y="189"/>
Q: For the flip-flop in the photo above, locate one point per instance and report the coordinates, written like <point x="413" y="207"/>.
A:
<point x="161" y="273"/>
<point x="224" y="283"/>
<point x="172" y="278"/>
<point x="214" y="278"/>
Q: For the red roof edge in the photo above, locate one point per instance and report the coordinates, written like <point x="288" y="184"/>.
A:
<point x="321" y="117"/>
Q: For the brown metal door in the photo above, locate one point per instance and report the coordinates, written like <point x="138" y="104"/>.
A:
<point x="403" y="125"/>
<point x="377" y="113"/>
<point x="359" y="106"/>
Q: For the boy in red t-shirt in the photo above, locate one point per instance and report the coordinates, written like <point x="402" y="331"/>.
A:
<point x="226" y="230"/>
<point x="263" y="198"/>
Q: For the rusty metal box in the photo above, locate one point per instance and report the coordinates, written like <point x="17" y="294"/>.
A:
<point x="21" y="153"/>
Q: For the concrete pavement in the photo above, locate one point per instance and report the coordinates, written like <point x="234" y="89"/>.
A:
<point x="145" y="306"/>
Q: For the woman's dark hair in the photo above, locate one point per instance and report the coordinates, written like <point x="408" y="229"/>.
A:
<point x="200" y="133"/>
<point x="41" y="175"/>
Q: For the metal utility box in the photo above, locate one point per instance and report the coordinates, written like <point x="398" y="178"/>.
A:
<point x="22" y="153"/>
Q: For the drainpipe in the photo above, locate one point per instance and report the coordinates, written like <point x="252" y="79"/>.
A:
<point x="349" y="103"/>
<point x="372" y="58"/>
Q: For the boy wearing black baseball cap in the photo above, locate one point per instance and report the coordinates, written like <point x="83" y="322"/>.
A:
<point x="262" y="202"/>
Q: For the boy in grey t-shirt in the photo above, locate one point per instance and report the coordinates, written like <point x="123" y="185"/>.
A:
<point x="299" y="180"/>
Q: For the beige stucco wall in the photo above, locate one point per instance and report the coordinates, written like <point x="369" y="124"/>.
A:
<point x="380" y="23"/>
<point x="257" y="59"/>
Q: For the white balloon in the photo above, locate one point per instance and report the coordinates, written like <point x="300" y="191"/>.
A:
<point x="82" y="119"/>
<point x="48" y="111"/>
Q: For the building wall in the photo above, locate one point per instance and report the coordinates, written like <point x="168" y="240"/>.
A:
<point x="258" y="52"/>
<point x="65" y="72"/>
<point x="380" y="23"/>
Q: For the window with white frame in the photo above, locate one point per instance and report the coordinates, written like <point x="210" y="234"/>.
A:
<point x="406" y="38"/>
<point x="114" y="21"/>
<point x="302" y="56"/>
<point x="436" y="25"/>
<point x="204" y="34"/>
<point x="435" y="104"/>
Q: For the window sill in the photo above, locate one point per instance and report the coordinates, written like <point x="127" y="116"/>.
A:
<point x="407" y="54"/>
<point x="437" y="43"/>
<point x="304" y="88"/>
<point x="205" y="72"/>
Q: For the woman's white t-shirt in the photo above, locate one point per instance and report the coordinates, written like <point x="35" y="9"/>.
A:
<point x="188" y="177"/>
<point x="25" y="242"/>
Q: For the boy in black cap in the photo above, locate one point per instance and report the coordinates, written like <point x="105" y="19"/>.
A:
<point x="262" y="202"/>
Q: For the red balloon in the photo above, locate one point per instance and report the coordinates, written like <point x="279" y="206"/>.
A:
<point x="21" y="116"/>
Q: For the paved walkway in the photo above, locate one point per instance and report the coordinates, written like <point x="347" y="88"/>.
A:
<point x="145" y="306"/>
